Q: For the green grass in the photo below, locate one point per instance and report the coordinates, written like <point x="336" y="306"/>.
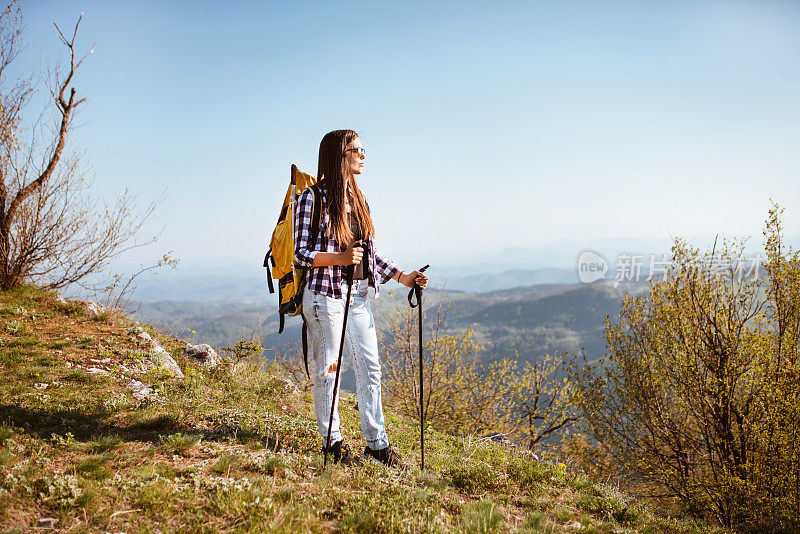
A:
<point x="104" y="316"/>
<point x="47" y="360"/>
<point x="103" y="444"/>
<point x="23" y="342"/>
<point x="82" y="377"/>
<point x="5" y="434"/>
<point x="86" y="343"/>
<point x="17" y="328"/>
<point x="70" y="309"/>
<point x="237" y="451"/>
<point x="226" y="463"/>
<point x="179" y="443"/>
<point x="11" y="358"/>
<point x="482" y="517"/>
<point x="94" y="467"/>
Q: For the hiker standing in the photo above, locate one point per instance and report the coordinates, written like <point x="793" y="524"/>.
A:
<point x="345" y="222"/>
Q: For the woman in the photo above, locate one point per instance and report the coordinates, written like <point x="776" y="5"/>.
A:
<point x="345" y="222"/>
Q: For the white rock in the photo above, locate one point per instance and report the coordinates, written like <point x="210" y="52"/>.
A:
<point x="94" y="309"/>
<point x="101" y="372"/>
<point x="146" y="337"/>
<point x="139" y="390"/>
<point x="159" y="356"/>
<point x="40" y="385"/>
<point x="203" y="354"/>
<point x="61" y="300"/>
<point x="162" y="358"/>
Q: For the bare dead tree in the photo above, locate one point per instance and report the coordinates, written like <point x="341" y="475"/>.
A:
<point x="52" y="231"/>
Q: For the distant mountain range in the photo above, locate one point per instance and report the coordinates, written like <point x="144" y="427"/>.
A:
<point x="523" y="323"/>
<point x="507" y="279"/>
<point x="521" y="302"/>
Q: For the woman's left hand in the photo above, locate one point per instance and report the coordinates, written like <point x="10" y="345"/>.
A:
<point x="408" y="279"/>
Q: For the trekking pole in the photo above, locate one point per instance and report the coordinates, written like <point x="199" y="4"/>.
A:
<point x="349" y="270"/>
<point x="416" y="291"/>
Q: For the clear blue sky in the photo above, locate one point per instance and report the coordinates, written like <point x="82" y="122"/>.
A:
<point x="486" y="125"/>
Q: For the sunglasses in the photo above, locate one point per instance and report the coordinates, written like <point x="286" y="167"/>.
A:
<point x="361" y="152"/>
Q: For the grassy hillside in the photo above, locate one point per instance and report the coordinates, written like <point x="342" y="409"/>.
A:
<point x="237" y="449"/>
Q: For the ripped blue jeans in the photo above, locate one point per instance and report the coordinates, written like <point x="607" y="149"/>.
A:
<point x="324" y="316"/>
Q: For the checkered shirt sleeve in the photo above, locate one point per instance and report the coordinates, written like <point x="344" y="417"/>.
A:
<point x="384" y="266"/>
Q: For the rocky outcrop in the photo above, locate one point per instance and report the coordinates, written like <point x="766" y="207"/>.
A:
<point x="159" y="356"/>
<point x="202" y="354"/>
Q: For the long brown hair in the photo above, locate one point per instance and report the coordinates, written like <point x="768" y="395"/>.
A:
<point x="331" y="166"/>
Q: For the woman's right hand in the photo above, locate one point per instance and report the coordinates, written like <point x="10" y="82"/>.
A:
<point x="352" y="255"/>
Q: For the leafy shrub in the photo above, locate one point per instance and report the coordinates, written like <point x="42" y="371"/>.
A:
<point x="699" y="392"/>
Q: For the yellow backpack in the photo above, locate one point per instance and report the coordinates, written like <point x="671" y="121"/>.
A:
<point x="291" y="277"/>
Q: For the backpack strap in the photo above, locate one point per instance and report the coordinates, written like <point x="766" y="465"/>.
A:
<point x="267" y="258"/>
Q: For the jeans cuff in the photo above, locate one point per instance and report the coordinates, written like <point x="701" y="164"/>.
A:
<point x="378" y="444"/>
<point x="335" y="436"/>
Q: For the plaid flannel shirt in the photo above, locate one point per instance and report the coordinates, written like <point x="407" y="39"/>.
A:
<point x="328" y="280"/>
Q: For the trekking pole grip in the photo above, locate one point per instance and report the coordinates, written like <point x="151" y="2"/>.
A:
<point x="416" y="291"/>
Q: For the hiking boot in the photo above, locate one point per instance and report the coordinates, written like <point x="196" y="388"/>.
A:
<point x="342" y="454"/>
<point x="387" y="456"/>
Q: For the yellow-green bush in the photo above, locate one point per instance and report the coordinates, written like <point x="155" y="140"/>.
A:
<point x="699" y="393"/>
